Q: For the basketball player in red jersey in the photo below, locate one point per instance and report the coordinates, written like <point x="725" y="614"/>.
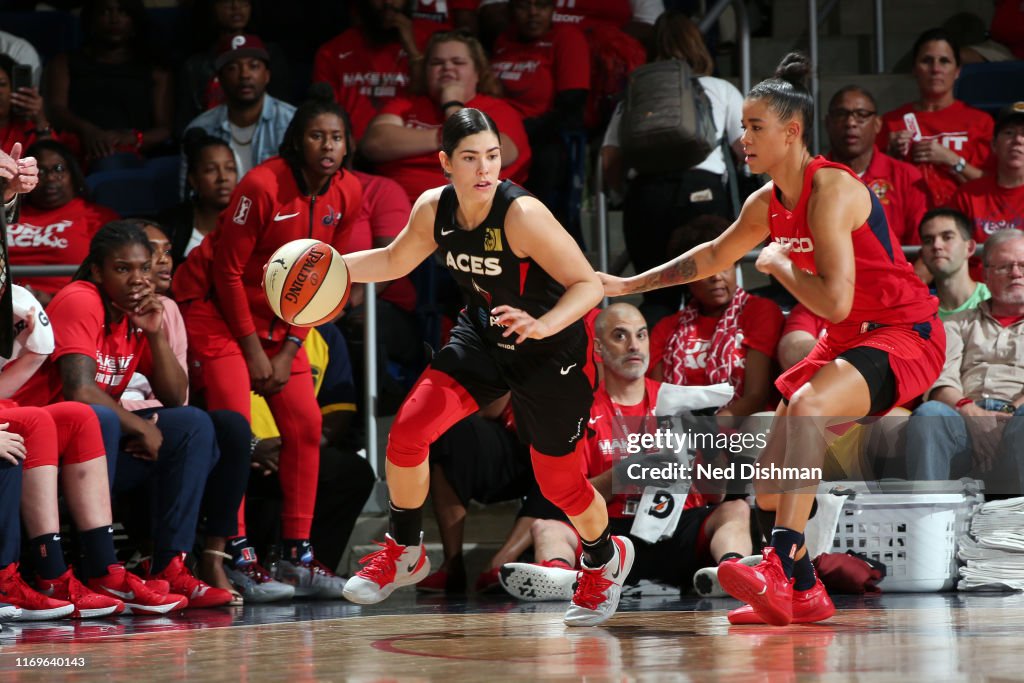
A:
<point x="527" y="285"/>
<point x="833" y="250"/>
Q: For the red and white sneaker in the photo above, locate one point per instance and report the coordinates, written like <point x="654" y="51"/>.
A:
<point x="138" y="596"/>
<point x="34" y="605"/>
<point x="182" y="582"/>
<point x="598" y="590"/>
<point x="88" y="604"/>
<point x="538" y="582"/>
<point x="386" y="570"/>
<point x="809" y="606"/>
<point x="764" y="587"/>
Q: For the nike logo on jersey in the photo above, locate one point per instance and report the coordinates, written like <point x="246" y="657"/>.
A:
<point x="445" y="233"/>
<point x="593" y="421"/>
<point x="279" y="217"/>
<point x="345" y="55"/>
<point x="565" y="371"/>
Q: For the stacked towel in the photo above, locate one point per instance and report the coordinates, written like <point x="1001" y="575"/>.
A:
<point x="994" y="549"/>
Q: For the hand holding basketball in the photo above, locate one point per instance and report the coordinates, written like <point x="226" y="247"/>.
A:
<point x="306" y="283"/>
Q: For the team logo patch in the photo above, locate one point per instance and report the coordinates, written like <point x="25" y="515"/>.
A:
<point x="881" y="188"/>
<point x="662" y="505"/>
<point x="331" y="217"/>
<point x="242" y="212"/>
<point x="492" y="239"/>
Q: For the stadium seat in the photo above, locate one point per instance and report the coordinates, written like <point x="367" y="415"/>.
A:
<point x="989" y="86"/>
<point x="49" y="32"/>
<point x="143" y="191"/>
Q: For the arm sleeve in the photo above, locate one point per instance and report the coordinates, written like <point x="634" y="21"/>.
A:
<point x="762" y="322"/>
<point x="240" y="226"/>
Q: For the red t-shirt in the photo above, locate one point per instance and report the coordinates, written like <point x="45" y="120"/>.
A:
<point x="760" y="326"/>
<point x="77" y="316"/>
<point x="990" y="207"/>
<point x="531" y="73"/>
<point x="20" y="130"/>
<point x="365" y="76"/>
<point x="383" y="214"/>
<point x="420" y="173"/>
<point x="1008" y="26"/>
<point x="55" y="237"/>
<point x="586" y="13"/>
<point x="965" y="130"/>
<point x="902" y="192"/>
<point x="802" y="319"/>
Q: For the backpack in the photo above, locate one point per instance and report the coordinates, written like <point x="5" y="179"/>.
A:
<point x="666" y="120"/>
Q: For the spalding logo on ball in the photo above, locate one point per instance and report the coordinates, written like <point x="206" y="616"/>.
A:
<point x="306" y="283"/>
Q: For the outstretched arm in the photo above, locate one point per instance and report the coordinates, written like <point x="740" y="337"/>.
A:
<point x="749" y="230"/>
<point x="408" y="250"/>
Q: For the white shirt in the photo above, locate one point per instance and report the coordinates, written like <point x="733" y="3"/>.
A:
<point x="726" y="111"/>
<point x="243" y="152"/>
<point x="193" y="241"/>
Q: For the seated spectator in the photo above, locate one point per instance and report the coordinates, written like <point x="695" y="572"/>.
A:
<point x="996" y="202"/>
<point x="226" y="484"/>
<point x="853" y="125"/>
<point x="954" y="141"/>
<point x="250" y="121"/>
<point x="1008" y="26"/>
<point x="382" y="215"/>
<point x="545" y="72"/>
<point x="198" y="85"/>
<point x="345" y="480"/>
<point x="705" y="534"/>
<point x="57" y="222"/>
<point x="403" y="140"/>
<point x="723" y="334"/>
<point x="635" y="17"/>
<point x="65" y="438"/>
<point x="947" y="246"/>
<point x="211" y="177"/>
<point x="170" y="451"/>
<point x="110" y="93"/>
<point x="22" y="52"/>
<point x="656" y="204"/>
<point x="801" y="331"/>
<point x="22" y="114"/>
<point x="977" y="396"/>
<point x="373" y="63"/>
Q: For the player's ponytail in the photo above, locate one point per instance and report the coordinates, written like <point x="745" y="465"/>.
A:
<point x="786" y="92"/>
<point x="462" y="124"/>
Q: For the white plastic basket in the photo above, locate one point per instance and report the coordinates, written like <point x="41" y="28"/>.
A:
<point x="913" y="534"/>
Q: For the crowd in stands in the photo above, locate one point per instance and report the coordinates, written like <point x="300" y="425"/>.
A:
<point x="131" y="378"/>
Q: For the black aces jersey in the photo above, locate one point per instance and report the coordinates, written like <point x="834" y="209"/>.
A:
<point x="489" y="273"/>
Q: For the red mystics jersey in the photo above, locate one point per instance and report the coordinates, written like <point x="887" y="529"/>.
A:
<point x="268" y="208"/>
<point x="366" y="76"/>
<point x="421" y="173"/>
<point x="886" y="290"/>
<point x="79" y="326"/>
<point x="990" y="207"/>
<point x="55" y="237"/>
<point x="965" y="130"/>
<point x="531" y="73"/>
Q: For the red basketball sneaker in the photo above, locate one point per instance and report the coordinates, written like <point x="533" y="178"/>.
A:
<point x="809" y="606"/>
<point x="34" y="605"/>
<point x="764" y="587"/>
<point x="139" y="596"/>
<point x="182" y="582"/>
<point x="88" y="604"/>
<point x="386" y="570"/>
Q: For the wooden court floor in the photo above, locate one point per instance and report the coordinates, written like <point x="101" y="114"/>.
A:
<point x="902" y="638"/>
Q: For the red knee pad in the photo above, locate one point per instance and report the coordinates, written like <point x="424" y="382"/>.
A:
<point x="431" y="408"/>
<point x="562" y="481"/>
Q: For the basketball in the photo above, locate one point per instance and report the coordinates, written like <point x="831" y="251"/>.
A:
<point x="306" y="283"/>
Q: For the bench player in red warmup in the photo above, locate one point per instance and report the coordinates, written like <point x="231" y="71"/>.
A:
<point x="526" y="285"/>
<point x="833" y="250"/>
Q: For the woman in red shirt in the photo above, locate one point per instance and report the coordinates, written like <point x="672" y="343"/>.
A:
<point x="22" y="114"/>
<point x="404" y="139"/>
<point x="953" y="143"/>
<point x="235" y="340"/>
<point x="57" y="222"/>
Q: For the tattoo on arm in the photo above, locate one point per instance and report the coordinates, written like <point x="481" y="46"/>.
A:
<point x="677" y="272"/>
<point x="77" y="370"/>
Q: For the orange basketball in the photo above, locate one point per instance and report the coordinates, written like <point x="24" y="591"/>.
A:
<point x="306" y="283"/>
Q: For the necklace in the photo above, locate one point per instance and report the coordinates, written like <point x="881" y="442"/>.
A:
<point x="235" y="138"/>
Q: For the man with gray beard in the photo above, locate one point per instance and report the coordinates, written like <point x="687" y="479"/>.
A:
<point x="977" y="425"/>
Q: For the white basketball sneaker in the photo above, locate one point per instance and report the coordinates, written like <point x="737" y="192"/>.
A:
<point x="706" y="583"/>
<point x="598" y="590"/>
<point x="538" y="582"/>
<point x="386" y="570"/>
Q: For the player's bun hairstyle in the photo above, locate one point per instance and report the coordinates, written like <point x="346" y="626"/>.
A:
<point x="786" y="92"/>
<point x="196" y="142"/>
<point x="462" y="124"/>
<point x="319" y="100"/>
<point x="72" y="165"/>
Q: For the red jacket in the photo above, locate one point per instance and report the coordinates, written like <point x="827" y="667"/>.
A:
<point x="267" y="209"/>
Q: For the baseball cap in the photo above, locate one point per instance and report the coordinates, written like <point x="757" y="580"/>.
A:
<point x="1012" y="113"/>
<point x="238" y="47"/>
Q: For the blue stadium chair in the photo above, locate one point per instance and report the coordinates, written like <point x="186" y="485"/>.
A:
<point x="49" y="32"/>
<point x="990" y="86"/>
<point x="127" y="191"/>
<point x="164" y="173"/>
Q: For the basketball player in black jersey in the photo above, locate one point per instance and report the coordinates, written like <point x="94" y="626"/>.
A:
<point x="527" y="285"/>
